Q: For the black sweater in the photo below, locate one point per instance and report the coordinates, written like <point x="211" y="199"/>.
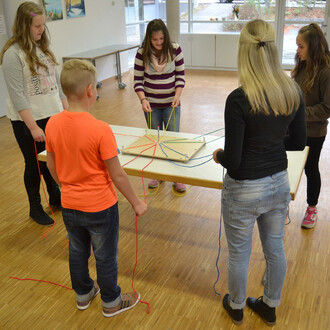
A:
<point x="255" y="144"/>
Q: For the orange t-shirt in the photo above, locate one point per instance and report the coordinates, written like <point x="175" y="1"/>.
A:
<point x="81" y="143"/>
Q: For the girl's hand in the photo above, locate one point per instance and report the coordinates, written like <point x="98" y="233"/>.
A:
<point x="176" y="101"/>
<point x="38" y="134"/>
<point x="146" y="106"/>
<point x="215" y="155"/>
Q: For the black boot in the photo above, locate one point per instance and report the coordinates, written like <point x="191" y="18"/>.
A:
<point x="236" y="315"/>
<point x="265" y="312"/>
<point x="38" y="214"/>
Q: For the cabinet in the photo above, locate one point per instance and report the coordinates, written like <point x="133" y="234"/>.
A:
<point x="210" y="51"/>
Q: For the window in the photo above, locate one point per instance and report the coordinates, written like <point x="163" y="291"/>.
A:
<point x="229" y="16"/>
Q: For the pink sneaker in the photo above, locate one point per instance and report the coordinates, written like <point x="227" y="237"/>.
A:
<point x="154" y="183"/>
<point x="180" y="187"/>
<point x="310" y="218"/>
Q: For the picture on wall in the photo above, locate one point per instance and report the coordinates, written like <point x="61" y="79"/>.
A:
<point x="75" y="8"/>
<point x="53" y="9"/>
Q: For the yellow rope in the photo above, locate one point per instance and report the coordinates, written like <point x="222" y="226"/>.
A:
<point x="172" y="112"/>
<point x="150" y="127"/>
<point x="155" y="190"/>
<point x="179" y="194"/>
<point x="169" y="119"/>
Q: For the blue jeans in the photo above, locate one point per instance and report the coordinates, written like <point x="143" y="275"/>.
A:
<point x="101" y="230"/>
<point x="161" y="116"/>
<point x="243" y="202"/>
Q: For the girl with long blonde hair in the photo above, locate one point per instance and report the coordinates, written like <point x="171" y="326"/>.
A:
<point x="264" y="117"/>
<point x="34" y="96"/>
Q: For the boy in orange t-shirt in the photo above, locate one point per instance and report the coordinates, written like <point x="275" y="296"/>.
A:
<point x="82" y="158"/>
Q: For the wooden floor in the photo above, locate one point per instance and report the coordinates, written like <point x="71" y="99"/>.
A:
<point x="178" y="241"/>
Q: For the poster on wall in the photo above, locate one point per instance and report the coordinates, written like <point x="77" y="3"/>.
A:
<point x="53" y="9"/>
<point x="75" y="8"/>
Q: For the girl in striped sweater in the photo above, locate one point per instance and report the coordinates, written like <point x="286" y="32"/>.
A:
<point x="158" y="81"/>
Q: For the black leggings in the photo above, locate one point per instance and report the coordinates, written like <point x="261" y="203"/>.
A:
<point x="31" y="173"/>
<point x="312" y="169"/>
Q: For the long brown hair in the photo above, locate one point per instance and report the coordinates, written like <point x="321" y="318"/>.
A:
<point x="167" y="53"/>
<point x="22" y="35"/>
<point x="318" y="55"/>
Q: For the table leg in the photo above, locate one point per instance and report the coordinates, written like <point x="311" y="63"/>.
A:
<point x="98" y="84"/>
<point x="121" y="85"/>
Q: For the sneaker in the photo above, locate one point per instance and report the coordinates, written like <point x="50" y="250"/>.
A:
<point x="84" y="305"/>
<point x="40" y="216"/>
<point x="236" y="315"/>
<point x="154" y="183"/>
<point x="310" y="218"/>
<point x="180" y="187"/>
<point x="128" y="301"/>
<point x="265" y="312"/>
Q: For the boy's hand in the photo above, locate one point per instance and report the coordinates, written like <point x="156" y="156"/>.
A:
<point x="140" y="208"/>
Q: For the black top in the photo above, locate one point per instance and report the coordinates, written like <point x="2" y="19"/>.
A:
<point x="255" y="144"/>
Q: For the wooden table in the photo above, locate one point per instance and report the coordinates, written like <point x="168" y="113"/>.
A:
<point x="209" y="174"/>
<point x="93" y="54"/>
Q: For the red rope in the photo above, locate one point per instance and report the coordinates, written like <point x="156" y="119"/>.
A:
<point x="43" y="187"/>
<point x="142" y="145"/>
<point x="136" y="262"/>
<point x="137" y="236"/>
<point x="136" y="228"/>
<point x="127" y="135"/>
<point x="154" y="145"/>
<point x="32" y="279"/>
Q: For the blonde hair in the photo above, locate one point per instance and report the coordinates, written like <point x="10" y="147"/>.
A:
<point x="76" y="75"/>
<point x="264" y="82"/>
<point x="22" y="36"/>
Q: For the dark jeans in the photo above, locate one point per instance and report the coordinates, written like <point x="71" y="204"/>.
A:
<point x="312" y="169"/>
<point x="101" y="230"/>
<point x="31" y="173"/>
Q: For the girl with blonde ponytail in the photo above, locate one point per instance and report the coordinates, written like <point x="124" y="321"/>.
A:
<point x="264" y="117"/>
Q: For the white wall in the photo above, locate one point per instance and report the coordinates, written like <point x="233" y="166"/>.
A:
<point x="104" y="24"/>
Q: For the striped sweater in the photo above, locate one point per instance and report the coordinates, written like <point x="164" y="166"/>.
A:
<point x="159" y="87"/>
